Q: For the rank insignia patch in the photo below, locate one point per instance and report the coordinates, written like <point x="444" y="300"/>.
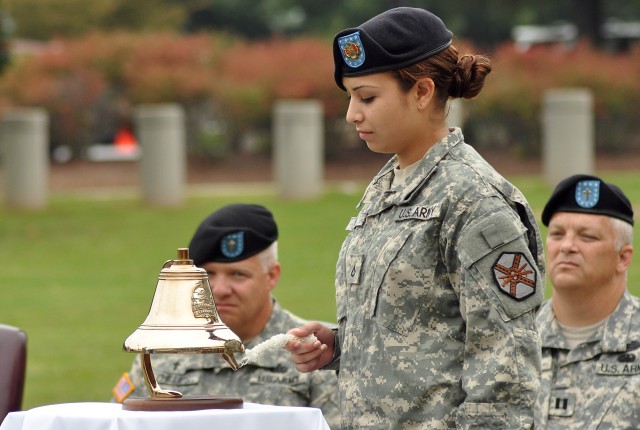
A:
<point x="514" y="275"/>
<point x="562" y="403"/>
<point x="352" y="49"/>
<point x="627" y="358"/>
<point x="587" y="193"/>
<point x="232" y="245"/>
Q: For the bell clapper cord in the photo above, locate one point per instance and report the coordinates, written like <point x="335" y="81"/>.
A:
<point x="275" y="342"/>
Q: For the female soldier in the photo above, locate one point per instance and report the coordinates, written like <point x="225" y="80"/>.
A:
<point x="442" y="270"/>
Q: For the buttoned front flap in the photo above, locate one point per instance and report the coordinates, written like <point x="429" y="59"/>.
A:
<point x="178" y="379"/>
<point x="180" y="370"/>
<point x="601" y="397"/>
<point x="617" y="386"/>
<point x="494" y="251"/>
<point x="403" y="274"/>
<point x="281" y="385"/>
<point x="598" y="391"/>
<point x="348" y="274"/>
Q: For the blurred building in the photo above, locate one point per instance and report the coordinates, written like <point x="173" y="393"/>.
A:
<point x="617" y="35"/>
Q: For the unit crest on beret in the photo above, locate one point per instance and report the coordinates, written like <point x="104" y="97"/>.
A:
<point x="392" y="40"/>
<point x="588" y="194"/>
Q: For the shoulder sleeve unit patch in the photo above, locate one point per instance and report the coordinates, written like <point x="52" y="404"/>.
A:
<point x="514" y="275"/>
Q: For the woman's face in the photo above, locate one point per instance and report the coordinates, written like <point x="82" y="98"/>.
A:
<point x="386" y="117"/>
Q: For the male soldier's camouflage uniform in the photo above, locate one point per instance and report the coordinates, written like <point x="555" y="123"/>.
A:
<point x="437" y="286"/>
<point x="273" y="380"/>
<point x="597" y="384"/>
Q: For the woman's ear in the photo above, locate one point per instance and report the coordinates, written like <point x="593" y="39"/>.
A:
<point x="424" y="91"/>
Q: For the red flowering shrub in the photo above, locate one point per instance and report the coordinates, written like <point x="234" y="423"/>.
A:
<point x="84" y="82"/>
<point x="277" y="69"/>
<point x="508" y="111"/>
<point x="166" y="68"/>
<point x="254" y="75"/>
<point x="58" y="81"/>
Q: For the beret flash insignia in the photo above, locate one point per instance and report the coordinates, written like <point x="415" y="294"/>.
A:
<point x="587" y="193"/>
<point x="514" y="275"/>
<point x="232" y="245"/>
<point x="590" y="195"/>
<point x="352" y="49"/>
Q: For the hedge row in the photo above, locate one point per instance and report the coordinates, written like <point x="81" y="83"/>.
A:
<point x="91" y="84"/>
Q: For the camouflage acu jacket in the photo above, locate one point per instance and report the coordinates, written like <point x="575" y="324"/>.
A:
<point x="273" y="380"/>
<point x="437" y="285"/>
<point x="596" y="384"/>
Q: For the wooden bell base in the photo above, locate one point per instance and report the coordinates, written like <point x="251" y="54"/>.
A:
<point x="182" y="404"/>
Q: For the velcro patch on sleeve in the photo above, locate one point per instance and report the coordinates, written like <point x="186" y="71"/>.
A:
<point x="487" y="235"/>
<point x="495" y="253"/>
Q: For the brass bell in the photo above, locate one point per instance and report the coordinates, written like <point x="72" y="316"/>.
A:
<point x="182" y="319"/>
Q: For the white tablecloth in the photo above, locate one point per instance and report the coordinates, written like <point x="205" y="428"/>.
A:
<point x="110" y="416"/>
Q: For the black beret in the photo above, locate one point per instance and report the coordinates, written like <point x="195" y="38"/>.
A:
<point x="232" y="233"/>
<point x="392" y="40"/>
<point x="588" y="194"/>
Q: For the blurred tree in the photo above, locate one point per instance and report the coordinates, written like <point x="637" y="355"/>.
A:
<point x="43" y="19"/>
<point x="588" y="16"/>
<point x="7" y="27"/>
<point x="485" y="22"/>
<point x="260" y="20"/>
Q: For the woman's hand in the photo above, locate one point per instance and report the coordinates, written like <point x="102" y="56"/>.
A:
<point x="310" y="356"/>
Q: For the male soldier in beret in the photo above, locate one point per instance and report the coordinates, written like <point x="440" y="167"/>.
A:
<point x="590" y="328"/>
<point x="237" y="246"/>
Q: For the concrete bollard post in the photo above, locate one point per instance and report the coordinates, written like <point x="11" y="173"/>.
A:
<point x="161" y="133"/>
<point x="298" y="138"/>
<point x="568" y="132"/>
<point x="25" y="157"/>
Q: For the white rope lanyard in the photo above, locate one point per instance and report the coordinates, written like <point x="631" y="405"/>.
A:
<point x="275" y="342"/>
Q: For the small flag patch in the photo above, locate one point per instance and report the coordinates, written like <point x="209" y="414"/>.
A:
<point x="123" y="388"/>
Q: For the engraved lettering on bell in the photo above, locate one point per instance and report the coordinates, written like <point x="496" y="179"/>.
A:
<point x="202" y="302"/>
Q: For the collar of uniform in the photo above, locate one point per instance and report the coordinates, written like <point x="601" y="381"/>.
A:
<point x="429" y="163"/>
<point x="549" y="331"/>
<point x="552" y="338"/>
<point x="275" y="326"/>
<point x="403" y="193"/>
<point x="615" y="335"/>
<point x="616" y="331"/>
<point x="380" y="184"/>
<point x="278" y="323"/>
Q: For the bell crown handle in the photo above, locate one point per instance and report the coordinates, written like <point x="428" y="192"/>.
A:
<point x="183" y="258"/>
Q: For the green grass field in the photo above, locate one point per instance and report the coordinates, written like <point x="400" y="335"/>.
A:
<point x="79" y="277"/>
